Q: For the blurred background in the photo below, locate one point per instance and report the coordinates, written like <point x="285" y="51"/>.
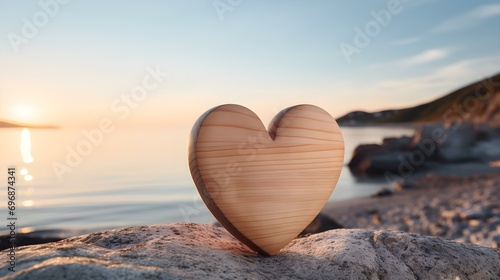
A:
<point x="97" y="98"/>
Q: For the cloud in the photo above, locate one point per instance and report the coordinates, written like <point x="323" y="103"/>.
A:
<point x="468" y="19"/>
<point x="406" y="41"/>
<point x="424" y="57"/>
<point x="442" y="80"/>
<point x="402" y="90"/>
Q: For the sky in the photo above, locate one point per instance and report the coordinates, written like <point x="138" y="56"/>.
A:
<point x="164" y="63"/>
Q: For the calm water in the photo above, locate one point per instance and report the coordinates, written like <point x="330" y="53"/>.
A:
<point x="130" y="177"/>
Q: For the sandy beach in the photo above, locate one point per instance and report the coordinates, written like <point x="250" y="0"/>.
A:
<point x="465" y="209"/>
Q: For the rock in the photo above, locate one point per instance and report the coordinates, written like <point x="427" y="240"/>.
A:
<point x="449" y="144"/>
<point x="496" y="239"/>
<point x="398" y="144"/>
<point x="404" y="185"/>
<point x="494" y="222"/>
<point x="481" y="214"/>
<point x="457" y="147"/>
<point x="360" y="154"/>
<point x="431" y="146"/>
<point x="194" y="251"/>
<point x="487" y="151"/>
<point x="378" y="161"/>
<point x="426" y="140"/>
<point x="26" y="239"/>
<point x="449" y="214"/>
<point x="394" y="155"/>
<point x="320" y="223"/>
<point x="474" y="223"/>
<point x="216" y="224"/>
<point x="389" y="161"/>
<point x="382" y="192"/>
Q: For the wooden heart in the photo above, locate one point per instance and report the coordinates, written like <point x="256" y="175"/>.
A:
<point x="265" y="187"/>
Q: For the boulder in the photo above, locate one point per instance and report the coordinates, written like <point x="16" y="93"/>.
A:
<point x="430" y="145"/>
<point x="457" y="147"/>
<point x="361" y="153"/>
<point x="398" y="144"/>
<point x="480" y="214"/>
<point x="377" y="159"/>
<point x="394" y="155"/>
<point x="196" y="251"/>
<point x="487" y="150"/>
<point x="389" y="161"/>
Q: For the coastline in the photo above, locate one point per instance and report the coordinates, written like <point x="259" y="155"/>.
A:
<point x="4" y="124"/>
<point x="434" y="205"/>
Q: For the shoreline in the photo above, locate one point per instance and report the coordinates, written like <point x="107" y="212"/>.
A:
<point x="430" y="204"/>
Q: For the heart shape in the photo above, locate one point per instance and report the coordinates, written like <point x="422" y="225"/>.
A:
<point x="265" y="187"/>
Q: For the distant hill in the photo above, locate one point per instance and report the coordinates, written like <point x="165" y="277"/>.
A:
<point x="478" y="102"/>
<point x="4" y="124"/>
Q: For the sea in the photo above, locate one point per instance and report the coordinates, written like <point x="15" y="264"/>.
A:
<point x="127" y="177"/>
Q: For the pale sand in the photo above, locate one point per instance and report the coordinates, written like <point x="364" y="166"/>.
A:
<point x="460" y="208"/>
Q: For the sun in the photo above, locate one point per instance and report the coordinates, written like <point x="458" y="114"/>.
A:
<point x="23" y="113"/>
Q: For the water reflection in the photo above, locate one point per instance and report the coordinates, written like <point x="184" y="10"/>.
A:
<point x="26" y="146"/>
<point x="27" y="158"/>
<point x="28" y="203"/>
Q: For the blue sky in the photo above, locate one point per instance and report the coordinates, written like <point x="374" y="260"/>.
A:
<point x="266" y="55"/>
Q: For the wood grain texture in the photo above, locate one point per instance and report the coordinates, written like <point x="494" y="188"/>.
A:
<point x="265" y="186"/>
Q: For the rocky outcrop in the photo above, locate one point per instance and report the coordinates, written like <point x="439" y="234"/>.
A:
<point x="194" y="251"/>
<point x="477" y="103"/>
<point x="430" y="146"/>
<point x="377" y="159"/>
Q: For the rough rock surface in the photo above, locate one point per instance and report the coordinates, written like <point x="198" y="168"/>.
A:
<point x="464" y="209"/>
<point x="195" y="251"/>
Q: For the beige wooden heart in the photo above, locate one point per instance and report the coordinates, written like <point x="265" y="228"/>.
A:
<point x="265" y="187"/>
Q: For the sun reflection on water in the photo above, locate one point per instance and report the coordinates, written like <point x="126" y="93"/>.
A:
<point x="26" y="146"/>
<point x="27" y="158"/>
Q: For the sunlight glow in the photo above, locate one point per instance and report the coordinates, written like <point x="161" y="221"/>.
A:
<point x="26" y="146"/>
<point x="28" y="203"/>
<point x="23" y="113"/>
<point x="27" y="230"/>
<point x="23" y="172"/>
<point x="28" y="178"/>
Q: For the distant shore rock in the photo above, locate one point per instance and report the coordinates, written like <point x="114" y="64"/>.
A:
<point x="430" y="146"/>
<point x="475" y="103"/>
<point x="196" y="251"/>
